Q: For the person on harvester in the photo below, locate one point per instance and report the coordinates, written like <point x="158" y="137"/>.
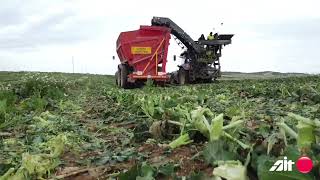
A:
<point x="201" y="37"/>
<point x="210" y="37"/>
<point x="209" y="52"/>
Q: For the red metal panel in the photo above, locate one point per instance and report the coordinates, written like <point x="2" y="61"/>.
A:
<point x="144" y="49"/>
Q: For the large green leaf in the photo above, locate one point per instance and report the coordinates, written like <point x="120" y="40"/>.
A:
<point x="146" y="172"/>
<point x="131" y="174"/>
<point x="231" y="171"/>
<point x="306" y="136"/>
<point x="216" y="128"/>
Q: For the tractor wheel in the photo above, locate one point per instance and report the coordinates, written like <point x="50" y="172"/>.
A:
<point x="208" y="80"/>
<point x="123" y="76"/>
<point x="183" y="76"/>
<point x="172" y="80"/>
<point x="117" y="77"/>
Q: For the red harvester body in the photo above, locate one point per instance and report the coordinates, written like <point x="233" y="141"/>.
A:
<point x="144" y="53"/>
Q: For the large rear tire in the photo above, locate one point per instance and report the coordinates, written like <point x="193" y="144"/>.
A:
<point x="209" y="80"/>
<point x="183" y="76"/>
<point x="123" y="76"/>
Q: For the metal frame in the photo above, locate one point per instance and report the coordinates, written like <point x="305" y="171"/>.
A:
<point x="196" y="50"/>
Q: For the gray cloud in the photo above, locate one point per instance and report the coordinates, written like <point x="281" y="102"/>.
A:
<point x="42" y="35"/>
<point x="10" y="13"/>
<point x="61" y="28"/>
<point x="10" y="17"/>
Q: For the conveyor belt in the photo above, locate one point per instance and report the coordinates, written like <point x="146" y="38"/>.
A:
<point x="177" y="31"/>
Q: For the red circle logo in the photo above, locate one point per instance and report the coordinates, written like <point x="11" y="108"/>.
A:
<point x="304" y="164"/>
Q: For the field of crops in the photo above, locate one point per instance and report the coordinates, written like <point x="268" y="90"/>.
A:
<point x="73" y="126"/>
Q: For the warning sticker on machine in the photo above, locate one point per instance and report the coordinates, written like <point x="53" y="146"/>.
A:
<point x="141" y="50"/>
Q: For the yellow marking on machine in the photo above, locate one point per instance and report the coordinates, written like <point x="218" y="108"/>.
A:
<point x="141" y="50"/>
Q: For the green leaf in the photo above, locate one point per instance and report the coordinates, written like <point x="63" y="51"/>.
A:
<point x="215" y="151"/>
<point x="39" y="164"/>
<point x="200" y="122"/>
<point x="8" y="174"/>
<point x="181" y="140"/>
<point x="138" y="172"/>
<point x="166" y="170"/>
<point x="231" y="170"/>
<point x="148" y="106"/>
<point x="57" y="145"/>
<point x="272" y="140"/>
<point x="287" y="129"/>
<point x="216" y="128"/>
<point x="20" y="174"/>
<point x="131" y="174"/>
<point x="243" y="145"/>
<point x="146" y="172"/>
<point x="306" y="136"/>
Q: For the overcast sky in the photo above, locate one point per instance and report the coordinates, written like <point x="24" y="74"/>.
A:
<point x="44" y="35"/>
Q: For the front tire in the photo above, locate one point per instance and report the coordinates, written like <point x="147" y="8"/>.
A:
<point x="208" y="80"/>
<point x="117" y="77"/>
<point x="123" y="76"/>
<point x="183" y="76"/>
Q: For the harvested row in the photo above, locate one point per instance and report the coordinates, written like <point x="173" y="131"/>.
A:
<point x="82" y="126"/>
